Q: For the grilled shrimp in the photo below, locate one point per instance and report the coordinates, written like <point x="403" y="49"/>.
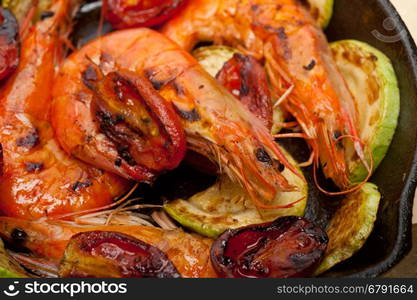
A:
<point x="298" y="61"/>
<point x="49" y="239"/>
<point x="216" y="124"/>
<point x="37" y="177"/>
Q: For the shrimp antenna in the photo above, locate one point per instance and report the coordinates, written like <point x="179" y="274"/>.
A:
<point x="264" y="206"/>
<point x="43" y="267"/>
<point x="369" y="168"/>
<point x="89" y="211"/>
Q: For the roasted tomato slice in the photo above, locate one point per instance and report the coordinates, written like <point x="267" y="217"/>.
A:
<point x="288" y="247"/>
<point x="137" y="13"/>
<point x="143" y="126"/>
<point x="246" y="79"/>
<point x="9" y="43"/>
<point x="114" y="255"/>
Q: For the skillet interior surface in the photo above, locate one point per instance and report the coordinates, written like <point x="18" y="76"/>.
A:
<point x="396" y="176"/>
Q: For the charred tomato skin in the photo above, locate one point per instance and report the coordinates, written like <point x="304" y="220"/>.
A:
<point x="288" y="247"/>
<point x="9" y="43"/>
<point x="142" y="13"/>
<point x="246" y="79"/>
<point x="114" y="254"/>
<point x="148" y="134"/>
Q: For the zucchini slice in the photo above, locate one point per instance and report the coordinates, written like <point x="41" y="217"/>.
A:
<point x="212" y="58"/>
<point x="351" y="226"/>
<point x="321" y="10"/>
<point x="225" y="205"/>
<point x="371" y="79"/>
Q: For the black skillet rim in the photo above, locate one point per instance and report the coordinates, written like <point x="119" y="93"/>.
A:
<point x="403" y="242"/>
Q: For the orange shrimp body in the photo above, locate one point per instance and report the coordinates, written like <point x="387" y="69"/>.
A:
<point x="48" y="239"/>
<point x="297" y="58"/>
<point x="216" y="124"/>
<point x="38" y="178"/>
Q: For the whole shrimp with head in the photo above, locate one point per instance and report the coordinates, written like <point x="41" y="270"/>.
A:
<point x="37" y="178"/>
<point x="299" y="64"/>
<point x="68" y="249"/>
<point x="120" y="102"/>
<point x="48" y="241"/>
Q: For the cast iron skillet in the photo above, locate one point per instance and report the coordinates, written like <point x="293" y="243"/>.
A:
<point x="396" y="176"/>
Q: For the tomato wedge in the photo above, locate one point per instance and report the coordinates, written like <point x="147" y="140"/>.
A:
<point x="9" y="44"/>
<point x="246" y="79"/>
<point x="113" y="254"/>
<point x="143" y="127"/>
<point x="288" y="247"/>
<point x="140" y="13"/>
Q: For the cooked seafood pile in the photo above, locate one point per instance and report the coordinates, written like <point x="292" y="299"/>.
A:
<point x="94" y="116"/>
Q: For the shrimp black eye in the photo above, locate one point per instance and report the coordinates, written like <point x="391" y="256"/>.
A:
<point x="46" y="15"/>
<point x="288" y="247"/>
<point x="263" y="156"/>
<point x="18" y="236"/>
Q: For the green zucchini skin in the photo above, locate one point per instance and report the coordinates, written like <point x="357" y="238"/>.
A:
<point x="322" y="11"/>
<point x="372" y="81"/>
<point x="351" y="226"/>
<point x="225" y="205"/>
